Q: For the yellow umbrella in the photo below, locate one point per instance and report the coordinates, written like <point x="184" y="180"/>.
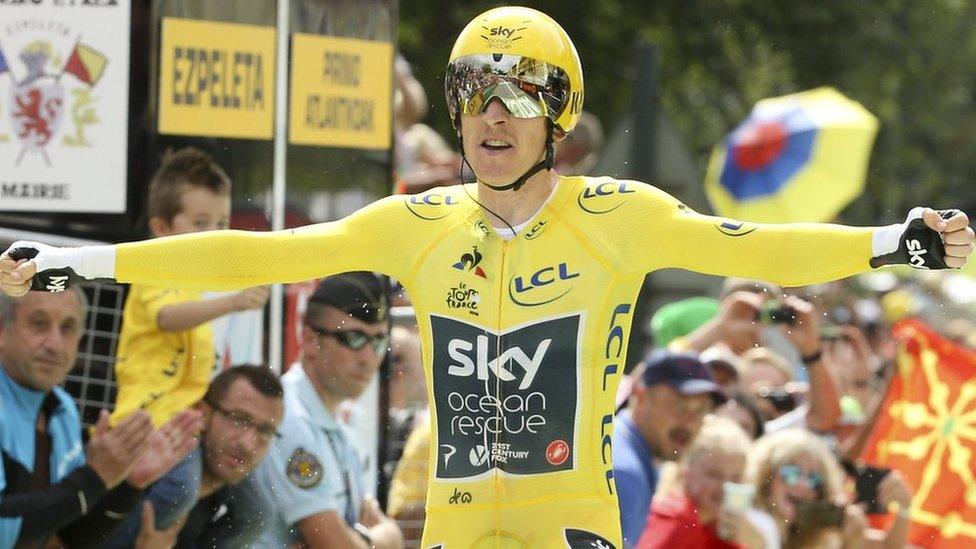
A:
<point x="799" y="157"/>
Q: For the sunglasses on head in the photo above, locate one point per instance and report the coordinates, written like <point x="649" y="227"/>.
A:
<point x="793" y="475"/>
<point x="355" y="339"/>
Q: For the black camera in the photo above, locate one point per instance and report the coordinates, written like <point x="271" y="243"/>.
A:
<point x="781" y="399"/>
<point x="775" y="312"/>
<point x="815" y="515"/>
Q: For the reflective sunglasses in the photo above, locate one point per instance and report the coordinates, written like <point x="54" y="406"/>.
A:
<point x="527" y="88"/>
<point x="518" y="103"/>
<point x="355" y="339"/>
<point x="793" y="475"/>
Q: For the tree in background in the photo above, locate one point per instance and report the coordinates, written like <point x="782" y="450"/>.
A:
<point x="913" y="64"/>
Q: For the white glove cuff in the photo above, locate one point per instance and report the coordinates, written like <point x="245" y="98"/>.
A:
<point x="96" y="262"/>
<point x="88" y="262"/>
<point x="887" y="239"/>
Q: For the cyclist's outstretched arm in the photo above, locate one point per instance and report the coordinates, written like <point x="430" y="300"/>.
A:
<point x="221" y="260"/>
<point x="794" y="254"/>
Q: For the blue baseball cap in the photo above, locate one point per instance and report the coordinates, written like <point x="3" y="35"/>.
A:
<point x="683" y="372"/>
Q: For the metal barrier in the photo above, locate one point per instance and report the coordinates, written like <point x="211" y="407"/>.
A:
<point x="92" y="381"/>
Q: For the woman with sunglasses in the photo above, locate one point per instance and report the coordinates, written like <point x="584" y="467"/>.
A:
<point x="800" y="483"/>
<point x="523" y="283"/>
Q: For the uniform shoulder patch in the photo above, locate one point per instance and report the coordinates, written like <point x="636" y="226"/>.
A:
<point x="304" y="469"/>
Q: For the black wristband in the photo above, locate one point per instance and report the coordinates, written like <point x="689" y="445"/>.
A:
<point x="809" y="360"/>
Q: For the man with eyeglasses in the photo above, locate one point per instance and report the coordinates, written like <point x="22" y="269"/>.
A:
<point x="313" y="474"/>
<point x="242" y="410"/>
<point x="672" y="395"/>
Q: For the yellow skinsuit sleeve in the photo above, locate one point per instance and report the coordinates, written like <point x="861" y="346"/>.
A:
<point x="796" y="254"/>
<point x="368" y="240"/>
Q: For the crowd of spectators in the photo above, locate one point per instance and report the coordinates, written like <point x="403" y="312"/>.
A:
<point x="775" y="459"/>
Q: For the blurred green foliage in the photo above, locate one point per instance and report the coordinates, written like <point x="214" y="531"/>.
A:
<point x="911" y="63"/>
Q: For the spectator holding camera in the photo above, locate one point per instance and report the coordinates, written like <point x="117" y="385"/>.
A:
<point x="800" y="484"/>
<point x="768" y="379"/>
<point x="738" y="326"/>
<point x="821" y="411"/>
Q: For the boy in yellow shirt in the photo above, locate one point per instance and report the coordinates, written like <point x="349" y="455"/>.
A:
<point x="165" y="358"/>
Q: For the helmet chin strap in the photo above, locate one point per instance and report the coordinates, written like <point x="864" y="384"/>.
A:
<point x="546" y="163"/>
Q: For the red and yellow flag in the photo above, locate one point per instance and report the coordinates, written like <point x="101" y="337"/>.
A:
<point x="927" y="429"/>
<point x="86" y="63"/>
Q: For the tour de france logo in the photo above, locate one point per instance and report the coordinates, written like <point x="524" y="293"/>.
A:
<point x="44" y="88"/>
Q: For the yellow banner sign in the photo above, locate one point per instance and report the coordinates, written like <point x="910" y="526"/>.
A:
<point x="341" y="92"/>
<point x="216" y="79"/>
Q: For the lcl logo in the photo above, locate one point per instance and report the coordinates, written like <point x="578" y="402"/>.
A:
<point x="604" y="197"/>
<point x="433" y="200"/>
<point x="528" y="291"/>
<point x="430" y="206"/>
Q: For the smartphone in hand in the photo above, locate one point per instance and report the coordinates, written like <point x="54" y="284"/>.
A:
<point x="866" y="482"/>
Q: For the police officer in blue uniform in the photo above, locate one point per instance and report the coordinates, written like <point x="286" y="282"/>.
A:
<point x="313" y="472"/>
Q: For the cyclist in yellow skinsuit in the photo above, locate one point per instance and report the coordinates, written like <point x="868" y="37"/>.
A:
<point x="523" y="284"/>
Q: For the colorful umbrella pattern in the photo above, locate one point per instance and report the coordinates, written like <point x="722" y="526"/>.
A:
<point x="799" y="157"/>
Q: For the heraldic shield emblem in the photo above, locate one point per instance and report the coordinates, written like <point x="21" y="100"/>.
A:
<point x="36" y="114"/>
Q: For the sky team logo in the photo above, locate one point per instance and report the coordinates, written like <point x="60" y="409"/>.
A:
<point x="44" y="89"/>
<point x="501" y="37"/>
<point x="470" y="261"/>
<point x="735" y="228"/>
<point x="502" y="398"/>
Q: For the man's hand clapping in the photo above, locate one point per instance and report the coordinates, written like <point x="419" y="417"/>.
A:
<point x="166" y="447"/>
<point x="113" y="451"/>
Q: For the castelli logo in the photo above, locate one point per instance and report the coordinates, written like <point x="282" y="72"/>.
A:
<point x="557" y="452"/>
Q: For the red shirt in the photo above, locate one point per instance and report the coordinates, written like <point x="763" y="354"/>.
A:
<point x="673" y="523"/>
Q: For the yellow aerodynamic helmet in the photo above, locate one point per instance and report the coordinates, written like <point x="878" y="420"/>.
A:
<point x="525" y="59"/>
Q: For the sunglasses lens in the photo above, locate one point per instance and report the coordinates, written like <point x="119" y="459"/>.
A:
<point x="528" y="88"/>
<point x="380" y="344"/>
<point x="517" y="102"/>
<point x="354" y="340"/>
<point x="815" y="480"/>
<point x="791" y="474"/>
